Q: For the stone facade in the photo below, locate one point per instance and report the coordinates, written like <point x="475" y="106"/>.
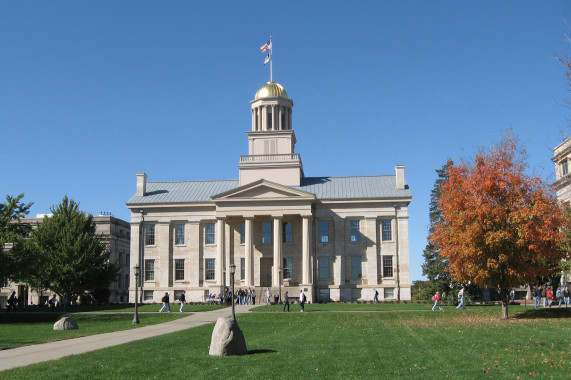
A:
<point x="562" y="185"/>
<point x="337" y="238"/>
<point x="116" y="233"/>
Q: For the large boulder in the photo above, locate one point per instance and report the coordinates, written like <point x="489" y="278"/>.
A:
<point x="66" y="323"/>
<point x="227" y="338"/>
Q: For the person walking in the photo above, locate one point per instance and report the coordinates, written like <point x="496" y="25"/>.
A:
<point x="12" y="301"/>
<point x="559" y="296"/>
<point x="286" y="301"/>
<point x="253" y="296"/>
<point x="182" y="299"/>
<point x="543" y="296"/>
<point x="537" y="295"/>
<point x="166" y="303"/>
<point x="268" y="295"/>
<point x="376" y="295"/>
<point x="461" y="299"/>
<point x="549" y="295"/>
<point x="436" y="299"/>
<point x="302" y="301"/>
<point x="566" y="296"/>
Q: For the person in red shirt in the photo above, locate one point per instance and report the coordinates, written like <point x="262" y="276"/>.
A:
<point x="549" y="294"/>
<point x="436" y="299"/>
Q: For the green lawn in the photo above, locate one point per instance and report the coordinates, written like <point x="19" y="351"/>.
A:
<point x="345" y="345"/>
<point x="27" y="329"/>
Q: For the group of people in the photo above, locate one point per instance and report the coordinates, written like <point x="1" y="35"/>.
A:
<point x="302" y="301"/>
<point x="246" y="296"/>
<point x="461" y="300"/>
<point x="544" y="296"/>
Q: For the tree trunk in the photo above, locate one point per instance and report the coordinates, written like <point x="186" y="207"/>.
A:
<point x="504" y="294"/>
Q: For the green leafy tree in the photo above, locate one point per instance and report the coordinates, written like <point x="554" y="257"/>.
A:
<point x="70" y="258"/>
<point x="12" y="235"/>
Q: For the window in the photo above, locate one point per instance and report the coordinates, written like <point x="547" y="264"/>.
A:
<point x="243" y="233"/>
<point x="127" y="281"/>
<point x="210" y="272"/>
<point x="149" y="270"/>
<point x="179" y="234"/>
<point x="355" y="294"/>
<point x="324" y="268"/>
<point x="210" y="233"/>
<point x="120" y="262"/>
<point x="387" y="266"/>
<point x="389" y="292"/>
<point x="270" y="119"/>
<point x="387" y="233"/>
<point x="324" y="232"/>
<point x="287" y="236"/>
<point x="565" y="167"/>
<point x="356" y="267"/>
<point x="288" y="268"/>
<point x="119" y="281"/>
<point x="177" y="294"/>
<point x="242" y="268"/>
<point x="179" y="269"/>
<point x="324" y="295"/>
<point x="266" y="233"/>
<point x="150" y="235"/>
<point x="355" y="233"/>
<point x="127" y="260"/>
<point x="147" y="295"/>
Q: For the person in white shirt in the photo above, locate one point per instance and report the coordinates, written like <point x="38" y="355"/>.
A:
<point x="268" y="295"/>
<point x="302" y="301"/>
<point x="462" y="299"/>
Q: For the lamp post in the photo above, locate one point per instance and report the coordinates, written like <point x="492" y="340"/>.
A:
<point x="232" y="271"/>
<point x="136" y="317"/>
<point x="280" y="283"/>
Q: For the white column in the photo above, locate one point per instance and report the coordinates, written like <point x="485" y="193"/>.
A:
<point x="306" y="243"/>
<point x="219" y="250"/>
<point x="372" y="254"/>
<point x="277" y="250"/>
<point x="227" y="259"/>
<point x="249" y="252"/>
<point x="280" y="113"/>
<point x="275" y="122"/>
<point x="253" y="119"/>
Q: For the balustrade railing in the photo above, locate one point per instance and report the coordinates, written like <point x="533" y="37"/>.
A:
<point x="270" y="157"/>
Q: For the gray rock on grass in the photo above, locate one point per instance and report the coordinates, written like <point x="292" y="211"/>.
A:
<point x="66" y="323"/>
<point x="227" y="338"/>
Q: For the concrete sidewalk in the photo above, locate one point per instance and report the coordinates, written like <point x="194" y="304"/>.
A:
<point x="22" y="356"/>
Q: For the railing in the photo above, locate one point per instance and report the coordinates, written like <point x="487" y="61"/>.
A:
<point x="270" y="157"/>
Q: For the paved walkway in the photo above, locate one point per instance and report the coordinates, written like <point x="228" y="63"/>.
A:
<point x="22" y="356"/>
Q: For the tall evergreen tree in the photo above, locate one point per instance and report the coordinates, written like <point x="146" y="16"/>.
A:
<point x="12" y="234"/>
<point x="434" y="266"/>
<point x="70" y="258"/>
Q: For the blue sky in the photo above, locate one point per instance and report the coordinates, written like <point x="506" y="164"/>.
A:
<point x="93" y="92"/>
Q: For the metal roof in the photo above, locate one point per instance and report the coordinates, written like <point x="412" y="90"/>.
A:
<point x="358" y="187"/>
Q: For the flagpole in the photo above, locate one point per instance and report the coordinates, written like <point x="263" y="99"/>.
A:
<point x="271" y="60"/>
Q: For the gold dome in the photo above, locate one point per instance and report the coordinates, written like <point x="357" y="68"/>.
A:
<point x="271" y="90"/>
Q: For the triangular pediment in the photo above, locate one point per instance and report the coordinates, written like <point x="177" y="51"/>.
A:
<point x="263" y="190"/>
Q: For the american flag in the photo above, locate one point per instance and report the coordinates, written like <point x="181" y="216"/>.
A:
<point x="267" y="59"/>
<point x="267" y="46"/>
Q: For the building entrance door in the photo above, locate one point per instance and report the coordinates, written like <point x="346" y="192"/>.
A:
<point x="266" y="272"/>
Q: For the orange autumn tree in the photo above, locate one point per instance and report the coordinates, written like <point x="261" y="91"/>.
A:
<point x="500" y="227"/>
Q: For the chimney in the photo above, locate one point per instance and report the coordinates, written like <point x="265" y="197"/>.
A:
<point x="141" y="184"/>
<point x="401" y="181"/>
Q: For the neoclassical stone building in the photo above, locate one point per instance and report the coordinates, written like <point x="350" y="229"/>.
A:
<point x="337" y="238"/>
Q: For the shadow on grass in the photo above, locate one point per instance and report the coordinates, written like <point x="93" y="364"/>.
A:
<point x="29" y="317"/>
<point x="544" y="313"/>
<point x="254" y="352"/>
